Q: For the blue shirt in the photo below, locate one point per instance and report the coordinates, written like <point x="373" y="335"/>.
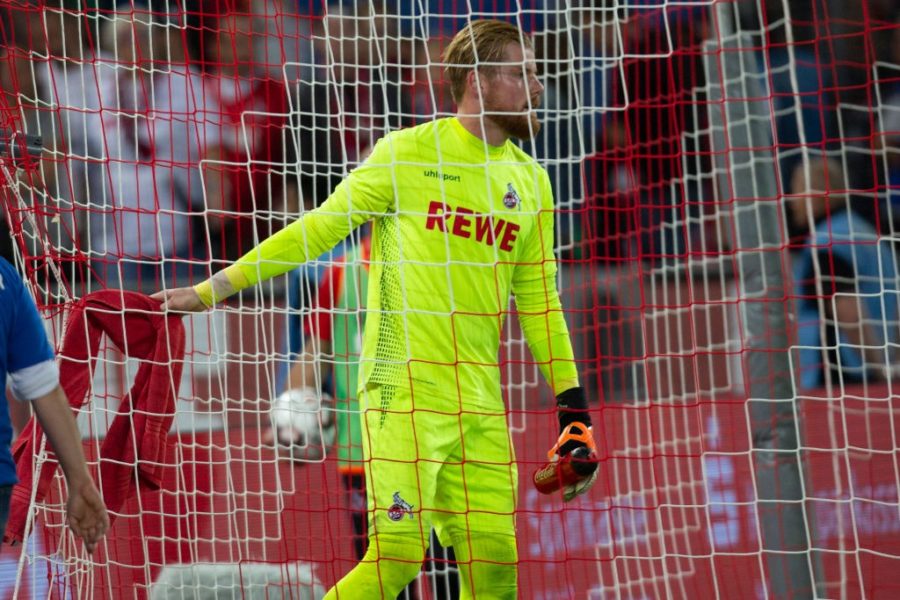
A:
<point x="23" y="345"/>
<point x="846" y="239"/>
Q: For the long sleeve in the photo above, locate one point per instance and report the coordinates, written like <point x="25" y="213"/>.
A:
<point x="367" y="192"/>
<point x="538" y="303"/>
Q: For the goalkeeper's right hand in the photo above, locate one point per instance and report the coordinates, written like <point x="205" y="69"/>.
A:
<point x="183" y="299"/>
<point x="205" y="294"/>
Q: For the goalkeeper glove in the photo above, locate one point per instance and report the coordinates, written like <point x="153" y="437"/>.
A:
<point x="572" y="407"/>
<point x="573" y="459"/>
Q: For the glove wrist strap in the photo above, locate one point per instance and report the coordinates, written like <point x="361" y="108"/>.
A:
<point x="574" y="432"/>
<point x="572" y="407"/>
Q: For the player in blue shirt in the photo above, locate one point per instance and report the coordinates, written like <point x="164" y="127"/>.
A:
<point x="28" y="368"/>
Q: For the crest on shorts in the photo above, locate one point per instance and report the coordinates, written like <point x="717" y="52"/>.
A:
<point x="399" y="508"/>
<point x="510" y="198"/>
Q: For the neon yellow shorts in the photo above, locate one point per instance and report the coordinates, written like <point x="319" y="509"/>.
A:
<point x="455" y="471"/>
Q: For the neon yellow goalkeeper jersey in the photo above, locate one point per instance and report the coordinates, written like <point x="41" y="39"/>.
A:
<point x="458" y="227"/>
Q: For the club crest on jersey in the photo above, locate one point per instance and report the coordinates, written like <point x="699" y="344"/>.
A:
<point x="510" y="198"/>
<point x="399" y="508"/>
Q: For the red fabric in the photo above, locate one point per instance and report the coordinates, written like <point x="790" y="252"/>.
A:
<point x="136" y="447"/>
<point x="318" y="322"/>
<point x="244" y="120"/>
<point x="245" y="117"/>
<point x="330" y="288"/>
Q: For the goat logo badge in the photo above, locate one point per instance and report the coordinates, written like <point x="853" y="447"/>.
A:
<point x="511" y="198"/>
<point x="399" y="508"/>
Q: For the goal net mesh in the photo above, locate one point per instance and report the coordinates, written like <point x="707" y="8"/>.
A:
<point x="725" y="176"/>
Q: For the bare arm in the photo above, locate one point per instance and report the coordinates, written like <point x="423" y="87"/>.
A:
<point x="304" y="371"/>
<point x="19" y="413"/>
<point x="850" y="318"/>
<point x="303" y="374"/>
<point x="85" y="510"/>
<point x="186" y="299"/>
<point x="217" y="188"/>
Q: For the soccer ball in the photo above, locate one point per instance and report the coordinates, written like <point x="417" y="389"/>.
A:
<point x="303" y="423"/>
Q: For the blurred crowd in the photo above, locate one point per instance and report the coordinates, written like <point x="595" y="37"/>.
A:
<point x="190" y="130"/>
<point x="179" y="133"/>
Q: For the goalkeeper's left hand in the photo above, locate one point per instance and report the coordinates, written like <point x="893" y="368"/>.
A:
<point x="575" y="431"/>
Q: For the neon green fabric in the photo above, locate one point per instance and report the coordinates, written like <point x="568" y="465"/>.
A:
<point x="486" y="561"/>
<point x="458" y="227"/>
<point x="454" y="468"/>
<point x="455" y="471"/>
<point x="487" y="565"/>
<point x="391" y="562"/>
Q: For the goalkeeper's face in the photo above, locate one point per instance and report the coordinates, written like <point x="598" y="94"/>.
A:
<point x="512" y="93"/>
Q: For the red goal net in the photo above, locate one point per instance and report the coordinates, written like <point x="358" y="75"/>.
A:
<point x="726" y="175"/>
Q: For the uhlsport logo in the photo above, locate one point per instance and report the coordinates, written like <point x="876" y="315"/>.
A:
<point x="399" y="508"/>
<point x="445" y="176"/>
<point x="511" y="198"/>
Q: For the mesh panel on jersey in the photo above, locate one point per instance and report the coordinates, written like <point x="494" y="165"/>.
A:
<point x="390" y="353"/>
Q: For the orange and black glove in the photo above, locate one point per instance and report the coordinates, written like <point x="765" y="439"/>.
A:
<point x="573" y="459"/>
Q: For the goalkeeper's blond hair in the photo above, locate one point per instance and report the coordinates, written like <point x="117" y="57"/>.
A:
<point x="479" y="42"/>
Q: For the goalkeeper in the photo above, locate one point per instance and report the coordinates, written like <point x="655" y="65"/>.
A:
<point x="334" y="328"/>
<point x="463" y="218"/>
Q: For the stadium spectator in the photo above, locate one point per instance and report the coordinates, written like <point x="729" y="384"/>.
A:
<point x="445" y="17"/>
<point x="343" y="110"/>
<point x="364" y="103"/>
<point x="575" y="102"/>
<point x="282" y="31"/>
<point x="435" y="434"/>
<point x="28" y="366"/>
<point x="888" y="143"/>
<point x="145" y="146"/>
<point x="613" y="191"/>
<point x="430" y="90"/>
<point x="635" y="142"/>
<point x="802" y="82"/>
<point x="342" y="102"/>
<point x="43" y="76"/>
<point x="243" y="111"/>
<point x="23" y="83"/>
<point x="858" y="38"/>
<point x="845" y="283"/>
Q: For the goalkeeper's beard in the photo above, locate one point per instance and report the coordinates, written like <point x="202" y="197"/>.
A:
<point x="520" y="126"/>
